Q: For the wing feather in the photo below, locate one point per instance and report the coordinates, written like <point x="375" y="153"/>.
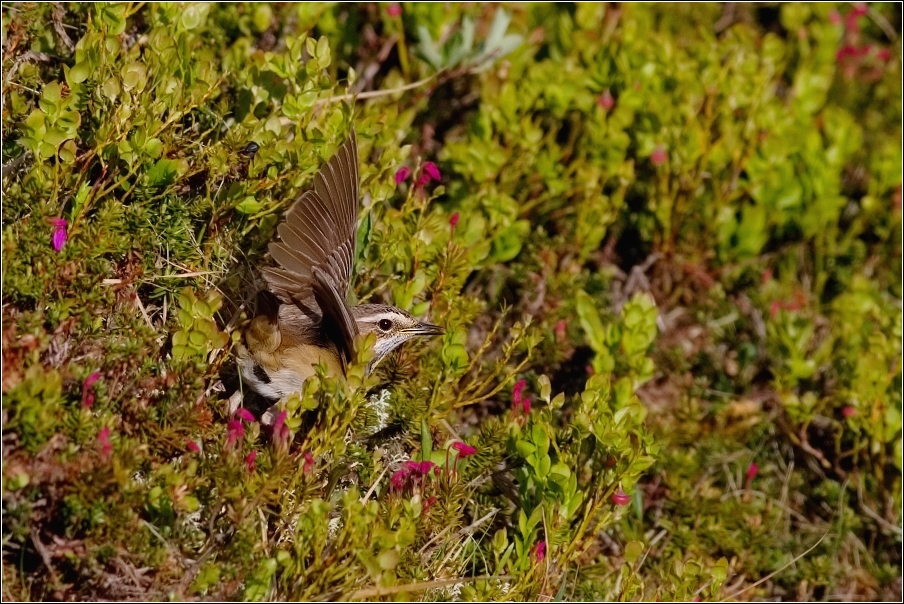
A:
<point x="319" y="231"/>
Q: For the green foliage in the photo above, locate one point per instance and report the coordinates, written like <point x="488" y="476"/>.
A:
<point x="684" y="221"/>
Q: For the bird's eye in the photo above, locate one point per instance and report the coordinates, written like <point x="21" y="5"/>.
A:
<point x="385" y="324"/>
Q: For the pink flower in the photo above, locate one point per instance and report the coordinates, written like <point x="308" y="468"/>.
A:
<point x="774" y="308"/>
<point x="234" y="432"/>
<point x="192" y="446"/>
<point x="432" y="171"/>
<point x="249" y="461"/>
<point x="244" y="414"/>
<point x="402" y="175"/>
<point x="103" y="442"/>
<point x="394" y="10"/>
<point x="453" y="220"/>
<point x="429" y="502"/>
<point x="464" y="449"/>
<point x="60" y="234"/>
<point x="561" y="325"/>
<point x="429" y="172"/>
<point x="411" y="470"/>
<point x="834" y="17"/>
<point x="884" y="54"/>
<point x="280" y="429"/>
<point x="308" y="462"/>
<point x="399" y="479"/>
<point x="419" y="468"/>
<point x="659" y="155"/>
<point x="605" y="101"/>
<point x="87" y="394"/>
<point x="516" y="392"/>
<point x="620" y="497"/>
<point x="539" y="551"/>
<point x="848" y="412"/>
<point x="752" y="471"/>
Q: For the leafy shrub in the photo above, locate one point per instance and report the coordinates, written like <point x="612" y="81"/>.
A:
<point x="656" y="214"/>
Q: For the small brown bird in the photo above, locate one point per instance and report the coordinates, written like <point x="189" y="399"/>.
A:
<point x="310" y="321"/>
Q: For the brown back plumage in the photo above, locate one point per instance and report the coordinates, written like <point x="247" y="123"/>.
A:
<point x="317" y="251"/>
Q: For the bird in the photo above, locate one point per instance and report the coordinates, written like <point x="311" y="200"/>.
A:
<point x="304" y="317"/>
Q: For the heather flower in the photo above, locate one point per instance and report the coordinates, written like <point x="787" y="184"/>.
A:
<point x="659" y="155"/>
<point x="394" y="10"/>
<point x="87" y="394"/>
<point x="308" y="462"/>
<point x="399" y="479"/>
<point x="402" y="175"/>
<point x="429" y="502"/>
<point x="539" y="551"/>
<point x="516" y="392"/>
<point x="606" y="101"/>
<point x="561" y="326"/>
<point x="453" y="220"/>
<point x="103" y="442"/>
<point x="60" y="234"/>
<point x="244" y="414"/>
<point x="410" y="469"/>
<point x="280" y="429"/>
<point x="620" y="497"/>
<point x="464" y="449"/>
<point x="848" y="412"/>
<point x="192" y="446"/>
<point x="752" y="471"/>
<point x="234" y="431"/>
<point x="249" y="461"/>
<point x="429" y="172"/>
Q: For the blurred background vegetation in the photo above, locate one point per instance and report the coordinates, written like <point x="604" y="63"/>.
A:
<point x="665" y="242"/>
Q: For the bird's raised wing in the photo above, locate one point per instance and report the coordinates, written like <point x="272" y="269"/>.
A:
<point x="319" y="231"/>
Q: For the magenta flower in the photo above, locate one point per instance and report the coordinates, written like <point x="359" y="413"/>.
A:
<point x="411" y="470"/>
<point x="620" y="497"/>
<point x="849" y="412"/>
<point x="419" y="468"/>
<point x="432" y="171"/>
<point x="308" y="462"/>
<point x="394" y="10"/>
<point x="60" y="234"/>
<point x="606" y="101"/>
<point x="659" y="155"/>
<point x="280" y="429"/>
<point x="520" y="400"/>
<point x="752" y="471"/>
<point x="399" y="479"/>
<point x="453" y="220"/>
<point x="87" y="394"/>
<point x="429" y="172"/>
<point x="429" y="503"/>
<point x="249" y="461"/>
<point x="561" y="326"/>
<point x="244" y="414"/>
<point x="464" y="449"/>
<point x="402" y="175"/>
<point x="234" y="432"/>
<point x="192" y="446"/>
<point x="539" y="551"/>
<point x="103" y="442"/>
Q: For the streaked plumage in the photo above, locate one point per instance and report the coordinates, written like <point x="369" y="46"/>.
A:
<point x="312" y="321"/>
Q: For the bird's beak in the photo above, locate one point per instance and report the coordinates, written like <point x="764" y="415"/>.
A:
<point x="426" y="329"/>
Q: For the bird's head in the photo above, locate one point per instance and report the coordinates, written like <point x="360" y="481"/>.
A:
<point x="391" y="326"/>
